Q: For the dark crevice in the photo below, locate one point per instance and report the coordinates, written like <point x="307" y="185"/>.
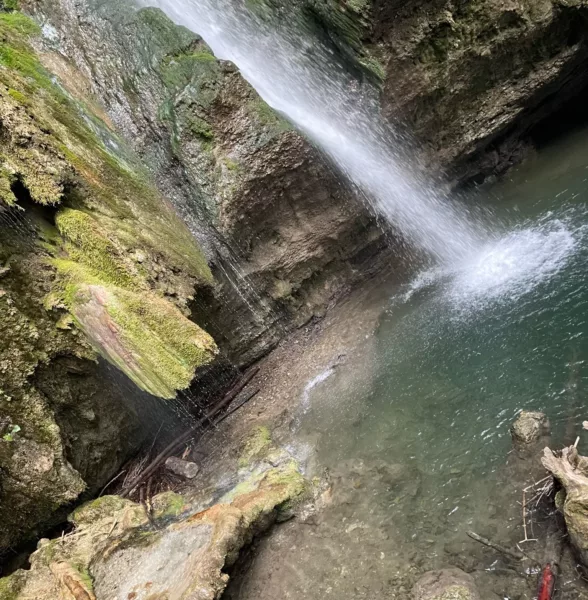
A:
<point x="18" y="558"/>
<point x="26" y="203"/>
<point x="569" y="116"/>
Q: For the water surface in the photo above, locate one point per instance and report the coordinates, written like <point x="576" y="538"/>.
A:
<point x="415" y="435"/>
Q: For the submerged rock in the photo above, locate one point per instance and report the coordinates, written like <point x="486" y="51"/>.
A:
<point x="529" y="428"/>
<point x="447" y="584"/>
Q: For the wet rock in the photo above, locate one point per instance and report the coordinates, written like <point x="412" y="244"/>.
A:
<point x="529" y="428"/>
<point x="571" y="470"/>
<point x="446" y="584"/>
<point x="229" y="164"/>
<point x="183" y="468"/>
<point x="118" y="552"/>
<point x="66" y="425"/>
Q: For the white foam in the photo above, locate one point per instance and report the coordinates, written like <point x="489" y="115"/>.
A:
<point x="516" y="264"/>
<point x="505" y="269"/>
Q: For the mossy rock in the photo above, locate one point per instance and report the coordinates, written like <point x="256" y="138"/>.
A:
<point x="110" y="213"/>
<point x="256" y="446"/>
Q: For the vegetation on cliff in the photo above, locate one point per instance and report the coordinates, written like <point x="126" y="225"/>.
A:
<point x="112" y="230"/>
<point x="92" y="260"/>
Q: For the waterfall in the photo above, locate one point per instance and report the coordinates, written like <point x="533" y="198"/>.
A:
<point x="302" y="79"/>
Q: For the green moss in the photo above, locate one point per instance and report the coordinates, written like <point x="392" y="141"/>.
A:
<point x="19" y="97"/>
<point x="91" y="512"/>
<point x="6" y="180"/>
<point x="20" y="23"/>
<point x="10" y="436"/>
<point x="200" y="128"/>
<point x="289" y="477"/>
<point x="143" y="334"/>
<point x="232" y="165"/>
<point x="375" y="66"/>
<point x="113" y="211"/>
<point x="88" y="245"/>
<point x="11" y="586"/>
<point x="85" y="577"/>
<point x="267" y="117"/>
<point x="256" y="446"/>
<point x="168" y="348"/>
<point x="9" y="5"/>
<point x="168" y="504"/>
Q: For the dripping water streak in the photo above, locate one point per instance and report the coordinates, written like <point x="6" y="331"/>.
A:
<point x="299" y="78"/>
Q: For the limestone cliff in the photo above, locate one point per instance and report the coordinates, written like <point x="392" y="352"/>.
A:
<point x="93" y="262"/>
<point x="471" y="80"/>
<point x="284" y="235"/>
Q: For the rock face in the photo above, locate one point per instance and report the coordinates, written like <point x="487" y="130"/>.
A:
<point x="447" y="584"/>
<point x="93" y="262"/>
<point x="275" y="220"/>
<point x="470" y="81"/>
<point x="180" y="552"/>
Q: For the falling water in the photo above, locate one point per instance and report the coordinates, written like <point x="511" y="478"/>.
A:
<point x="301" y="79"/>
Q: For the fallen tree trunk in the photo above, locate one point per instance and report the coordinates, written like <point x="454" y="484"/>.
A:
<point x="571" y="470"/>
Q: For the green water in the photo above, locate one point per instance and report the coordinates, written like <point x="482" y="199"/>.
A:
<point x="412" y="430"/>
<point x="458" y="354"/>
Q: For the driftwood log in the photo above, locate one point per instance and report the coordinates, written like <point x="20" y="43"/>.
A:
<point x="571" y="470"/>
<point x="207" y="418"/>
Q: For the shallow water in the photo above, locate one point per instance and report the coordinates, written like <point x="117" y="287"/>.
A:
<point x="415" y="437"/>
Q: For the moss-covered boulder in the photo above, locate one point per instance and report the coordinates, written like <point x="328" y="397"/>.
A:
<point x="180" y="551"/>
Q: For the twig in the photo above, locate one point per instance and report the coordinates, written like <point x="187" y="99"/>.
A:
<point x="506" y="551"/>
<point x="234" y="410"/>
<point x="527" y="539"/>
<point x="171" y="448"/>
<point x="149" y="504"/>
<point x="114" y="524"/>
<point x="111" y="482"/>
<point x="534" y="485"/>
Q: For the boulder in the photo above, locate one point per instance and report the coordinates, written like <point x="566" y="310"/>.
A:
<point x="529" y="428"/>
<point x="180" y="551"/>
<point x="446" y="584"/>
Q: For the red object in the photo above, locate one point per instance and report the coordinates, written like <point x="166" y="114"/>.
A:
<point x="547" y="584"/>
